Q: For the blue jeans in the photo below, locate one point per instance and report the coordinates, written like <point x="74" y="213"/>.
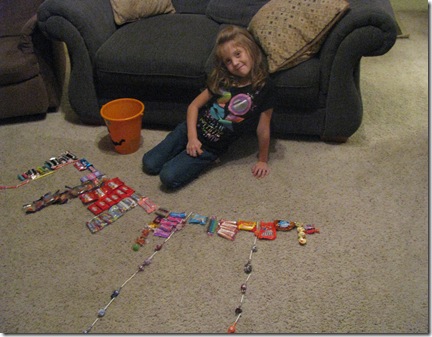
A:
<point x="170" y="160"/>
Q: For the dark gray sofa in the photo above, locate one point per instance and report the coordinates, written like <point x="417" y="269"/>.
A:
<point x="31" y="66"/>
<point x="163" y="61"/>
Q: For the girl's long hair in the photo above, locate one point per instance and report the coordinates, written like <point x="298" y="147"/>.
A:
<point x="220" y="76"/>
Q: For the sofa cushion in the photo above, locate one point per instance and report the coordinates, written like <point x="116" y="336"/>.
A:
<point x="131" y="10"/>
<point x="16" y="65"/>
<point x="292" y="31"/>
<point x="190" y="6"/>
<point x="238" y="12"/>
<point x="160" y="52"/>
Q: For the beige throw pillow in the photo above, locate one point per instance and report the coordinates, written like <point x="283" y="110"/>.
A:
<point x="132" y="10"/>
<point x="292" y="31"/>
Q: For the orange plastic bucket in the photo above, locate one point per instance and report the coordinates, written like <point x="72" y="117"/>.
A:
<point x="123" y="117"/>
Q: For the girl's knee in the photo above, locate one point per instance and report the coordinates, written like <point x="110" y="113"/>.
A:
<point x="149" y="166"/>
<point x="169" y="179"/>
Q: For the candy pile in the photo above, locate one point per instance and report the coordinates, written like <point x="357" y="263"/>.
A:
<point x="109" y="199"/>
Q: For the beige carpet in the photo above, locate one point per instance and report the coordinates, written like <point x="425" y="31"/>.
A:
<point x="366" y="272"/>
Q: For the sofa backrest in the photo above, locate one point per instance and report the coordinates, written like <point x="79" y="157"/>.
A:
<point x="14" y="14"/>
<point x="235" y="12"/>
<point x="190" y="6"/>
<point x="238" y="12"/>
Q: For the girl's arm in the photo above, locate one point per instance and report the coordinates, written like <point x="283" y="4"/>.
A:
<point x="261" y="168"/>
<point x="193" y="147"/>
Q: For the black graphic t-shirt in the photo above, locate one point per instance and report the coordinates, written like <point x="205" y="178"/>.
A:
<point x="230" y="113"/>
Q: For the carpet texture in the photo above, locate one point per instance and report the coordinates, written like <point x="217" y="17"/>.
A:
<point x="366" y="272"/>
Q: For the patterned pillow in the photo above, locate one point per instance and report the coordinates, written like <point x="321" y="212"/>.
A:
<point x="292" y="31"/>
<point x="131" y="10"/>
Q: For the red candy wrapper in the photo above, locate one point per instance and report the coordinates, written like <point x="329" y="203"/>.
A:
<point x="267" y="231"/>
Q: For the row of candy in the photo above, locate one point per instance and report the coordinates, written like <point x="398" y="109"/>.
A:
<point x="113" y="213"/>
<point x="263" y="230"/>
<point x="49" y="166"/>
<point x="88" y="182"/>
<point x="109" y="193"/>
<point x="60" y="197"/>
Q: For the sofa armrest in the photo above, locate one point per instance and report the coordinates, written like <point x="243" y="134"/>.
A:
<point x="92" y="19"/>
<point x="363" y="18"/>
<point x="26" y="43"/>
<point x="368" y="29"/>
<point x="84" y="26"/>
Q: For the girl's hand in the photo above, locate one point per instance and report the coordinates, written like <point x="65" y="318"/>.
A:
<point x="193" y="148"/>
<point x="260" y="169"/>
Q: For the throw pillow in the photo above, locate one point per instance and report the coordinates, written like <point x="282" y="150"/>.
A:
<point x="132" y="10"/>
<point x="292" y="31"/>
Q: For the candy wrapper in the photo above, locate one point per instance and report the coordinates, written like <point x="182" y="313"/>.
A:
<point x="212" y="225"/>
<point x="227" y="229"/>
<point x="246" y="225"/>
<point x="284" y="225"/>
<point x="267" y="231"/>
<point x="148" y="205"/>
<point x="197" y="219"/>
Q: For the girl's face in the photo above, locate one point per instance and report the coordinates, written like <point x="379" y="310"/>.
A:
<point x="236" y="59"/>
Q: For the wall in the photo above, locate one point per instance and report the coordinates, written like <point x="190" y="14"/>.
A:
<point x="415" y="5"/>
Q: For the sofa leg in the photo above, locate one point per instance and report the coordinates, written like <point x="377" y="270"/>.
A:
<point x="334" y="139"/>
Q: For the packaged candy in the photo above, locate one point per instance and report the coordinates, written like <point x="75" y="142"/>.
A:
<point x="115" y="198"/>
<point x="266" y="231"/>
<point x="88" y="177"/>
<point x="115" y="212"/>
<point x="148" y="205"/>
<point x="126" y="204"/>
<point x="174" y="220"/>
<point x="102" y="204"/>
<point x="166" y="227"/>
<point x="106" y="189"/>
<point x="162" y="212"/>
<point x="212" y="225"/>
<point x="246" y="225"/>
<point x="79" y="166"/>
<point x="110" y="201"/>
<point x="178" y="215"/>
<point x="227" y="224"/>
<point x="80" y="189"/>
<point x="161" y="233"/>
<point x="85" y="163"/>
<point x="95" y="209"/>
<point x="227" y="233"/>
<point x="126" y="189"/>
<point x="153" y="225"/>
<point x="106" y="217"/>
<point x="310" y="229"/>
<point x="120" y="193"/>
<point x="227" y="229"/>
<point x="95" y="225"/>
<point x="157" y="219"/>
<point x="198" y="219"/>
<point x="284" y="225"/>
<point x="89" y="197"/>
<point x="114" y="183"/>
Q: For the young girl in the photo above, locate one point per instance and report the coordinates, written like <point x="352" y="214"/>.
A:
<point x="238" y="99"/>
